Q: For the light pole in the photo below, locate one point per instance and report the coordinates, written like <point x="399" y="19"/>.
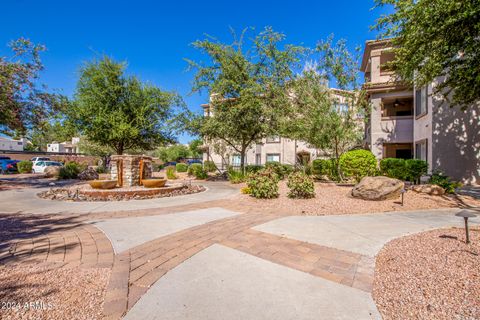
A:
<point x="465" y="214"/>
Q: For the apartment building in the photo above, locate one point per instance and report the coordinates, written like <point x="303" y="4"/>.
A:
<point x="415" y="123"/>
<point x="64" y="147"/>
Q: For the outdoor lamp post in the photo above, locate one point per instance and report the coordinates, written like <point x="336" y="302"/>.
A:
<point x="403" y="192"/>
<point x="465" y="214"/>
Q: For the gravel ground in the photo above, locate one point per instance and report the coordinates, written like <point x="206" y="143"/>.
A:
<point x="332" y="199"/>
<point x="431" y="275"/>
<point x="38" y="292"/>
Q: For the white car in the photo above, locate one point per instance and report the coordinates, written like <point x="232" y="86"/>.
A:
<point x="36" y="159"/>
<point x="40" y="166"/>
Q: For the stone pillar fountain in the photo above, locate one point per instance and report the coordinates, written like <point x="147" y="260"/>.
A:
<point x="128" y="169"/>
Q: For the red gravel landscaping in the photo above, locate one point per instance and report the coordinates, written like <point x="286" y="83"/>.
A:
<point x="430" y="275"/>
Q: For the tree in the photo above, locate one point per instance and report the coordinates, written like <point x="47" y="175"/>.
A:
<point x="247" y="87"/>
<point x="194" y="147"/>
<point x="436" y="38"/>
<point x="22" y="103"/>
<point x="120" y="112"/>
<point x="173" y="152"/>
<point x="329" y="120"/>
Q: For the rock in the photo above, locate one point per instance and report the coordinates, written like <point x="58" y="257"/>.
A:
<point x="88" y="174"/>
<point x="52" y="172"/>
<point x="378" y="188"/>
<point x="430" y="189"/>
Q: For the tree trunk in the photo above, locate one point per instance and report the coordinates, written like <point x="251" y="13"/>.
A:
<point x="242" y="159"/>
<point x="120" y="148"/>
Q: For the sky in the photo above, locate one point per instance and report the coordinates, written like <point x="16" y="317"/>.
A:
<point x="154" y="37"/>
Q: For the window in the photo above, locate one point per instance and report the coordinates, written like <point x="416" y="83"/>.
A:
<point x="273" y="157"/>
<point x="273" y="139"/>
<point x="421" y="101"/>
<point x="236" y="160"/>
<point x="421" y="150"/>
<point x="258" y="159"/>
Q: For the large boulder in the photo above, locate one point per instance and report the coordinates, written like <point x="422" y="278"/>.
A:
<point x="88" y="174"/>
<point x="430" y="189"/>
<point x="378" y="188"/>
<point x="52" y="172"/>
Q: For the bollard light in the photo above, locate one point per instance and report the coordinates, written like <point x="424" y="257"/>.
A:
<point x="465" y="214"/>
<point x="403" y="192"/>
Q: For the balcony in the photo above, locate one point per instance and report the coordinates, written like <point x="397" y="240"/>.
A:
<point x="397" y="129"/>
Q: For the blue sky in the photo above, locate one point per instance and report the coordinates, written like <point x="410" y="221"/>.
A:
<point x="155" y="36"/>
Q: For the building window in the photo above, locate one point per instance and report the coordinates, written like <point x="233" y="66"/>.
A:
<point x="273" y="139"/>
<point x="421" y="102"/>
<point x="258" y="159"/>
<point x="421" y="150"/>
<point x="236" y="160"/>
<point x="273" y="157"/>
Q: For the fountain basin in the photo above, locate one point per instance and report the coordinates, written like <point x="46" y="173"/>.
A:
<point x="154" y="183"/>
<point x="102" y="184"/>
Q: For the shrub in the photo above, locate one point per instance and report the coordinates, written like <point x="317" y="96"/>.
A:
<point x="24" y="166"/>
<point x="415" y="168"/>
<point x="263" y="184"/>
<point x="358" y="164"/>
<point x="394" y="168"/>
<point x="253" y="168"/>
<point x="246" y="190"/>
<point x="200" y="174"/>
<point x="301" y="186"/>
<point x="170" y="171"/>
<point x="193" y="168"/>
<point x="439" y="179"/>
<point x="71" y="170"/>
<point x="181" y="167"/>
<point x="325" y="167"/>
<point x="209" y="166"/>
<point x="101" y="169"/>
<point x="281" y="170"/>
<point x="236" y="177"/>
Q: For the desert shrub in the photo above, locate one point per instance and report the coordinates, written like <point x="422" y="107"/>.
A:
<point x="193" y="168"/>
<point x="301" y="186"/>
<point x="358" y="164"/>
<point x="236" y="176"/>
<point x="71" y="170"/>
<point x="181" y="167"/>
<point x="252" y="168"/>
<point x="24" y="166"/>
<point x="393" y="168"/>
<point x="170" y="171"/>
<point x="415" y="168"/>
<point x="263" y="184"/>
<point x="281" y="170"/>
<point x="209" y="166"/>
<point x="101" y="169"/>
<point x="200" y="174"/>
<point x="440" y="179"/>
<point x="246" y="190"/>
<point x="325" y="167"/>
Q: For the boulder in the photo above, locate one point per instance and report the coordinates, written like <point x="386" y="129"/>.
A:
<point x="52" y="172"/>
<point x="88" y="174"/>
<point x="430" y="189"/>
<point x="378" y="188"/>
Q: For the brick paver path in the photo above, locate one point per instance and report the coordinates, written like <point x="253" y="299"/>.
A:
<point x="73" y="241"/>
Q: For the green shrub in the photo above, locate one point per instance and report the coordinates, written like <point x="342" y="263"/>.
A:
<point x="71" y="170"/>
<point x="170" y="171"/>
<point x="24" y="166"/>
<point x="393" y="168"/>
<point x="281" y="170"/>
<point x="101" y="169"/>
<point x="200" y="174"/>
<point x="181" y="167"/>
<point x="415" y="168"/>
<point x="209" y="166"/>
<point x="301" y="186"/>
<point x="252" y="168"/>
<point x="263" y="184"/>
<point x="193" y="168"/>
<point x="236" y="176"/>
<point x="325" y="167"/>
<point x="358" y="164"/>
<point x="439" y="179"/>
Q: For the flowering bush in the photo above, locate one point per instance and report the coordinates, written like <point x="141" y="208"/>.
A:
<point x="263" y="184"/>
<point x="301" y="186"/>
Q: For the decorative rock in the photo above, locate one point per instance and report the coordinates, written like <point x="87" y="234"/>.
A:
<point x="52" y="172"/>
<point x="88" y="174"/>
<point x="378" y="188"/>
<point x="430" y="189"/>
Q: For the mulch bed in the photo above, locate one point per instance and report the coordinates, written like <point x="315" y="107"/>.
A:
<point x="430" y="275"/>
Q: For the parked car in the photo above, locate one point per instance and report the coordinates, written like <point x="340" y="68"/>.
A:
<point x="35" y="159"/>
<point x="7" y="165"/>
<point x="40" y="166"/>
<point x="191" y="161"/>
<point x="170" y="163"/>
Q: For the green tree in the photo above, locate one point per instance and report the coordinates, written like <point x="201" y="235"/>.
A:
<point x="436" y="38"/>
<point x="120" y="112"/>
<point x="173" y="152"/>
<point x="194" y="147"/>
<point x="329" y="120"/>
<point x="246" y="82"/>
<point x="23" y="104"/>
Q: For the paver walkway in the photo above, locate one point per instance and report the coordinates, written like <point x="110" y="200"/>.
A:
<point x="224" y="261"/>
